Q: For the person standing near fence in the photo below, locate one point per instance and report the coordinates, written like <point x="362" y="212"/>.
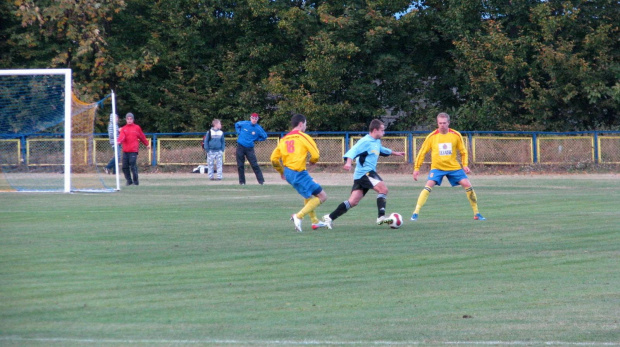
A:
<point x="130" y="137"/>
<point x="289" y="159"/>
<point x="443" y="144"/>
<point x="366" y="153"/>
<point x="249" y="132"/>
<point x="111" y="167"/>
<point x="214" y="144"/>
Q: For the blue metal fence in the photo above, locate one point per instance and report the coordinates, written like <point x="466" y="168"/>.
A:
<point x="411" y="134"/>
<point x="485" y="147"/>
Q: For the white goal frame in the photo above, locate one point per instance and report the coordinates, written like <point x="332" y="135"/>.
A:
<point x="67" y="134"/>
<point x="116" y="153"/>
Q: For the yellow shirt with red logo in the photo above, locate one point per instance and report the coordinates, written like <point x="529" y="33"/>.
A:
<point x="293" y="150"/>
<point x="443" y="149"/>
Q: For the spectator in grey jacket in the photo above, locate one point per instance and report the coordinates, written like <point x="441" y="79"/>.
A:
<point x="111" y="167"/>
<point x="214" y="145"/>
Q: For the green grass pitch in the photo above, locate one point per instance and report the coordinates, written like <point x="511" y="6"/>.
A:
<point x="181" y="260"/>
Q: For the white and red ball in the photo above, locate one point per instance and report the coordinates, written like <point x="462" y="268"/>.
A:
<point x="397" y="220"/>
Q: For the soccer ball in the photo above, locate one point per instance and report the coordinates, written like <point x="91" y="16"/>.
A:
<point x="397" y="220"/>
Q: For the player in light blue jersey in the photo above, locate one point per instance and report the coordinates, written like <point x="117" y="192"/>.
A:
<point x="366" y="153"/>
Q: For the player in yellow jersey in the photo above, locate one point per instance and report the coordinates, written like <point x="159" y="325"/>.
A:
<point x="443" y="144"/>
<point x="289" y="159"/>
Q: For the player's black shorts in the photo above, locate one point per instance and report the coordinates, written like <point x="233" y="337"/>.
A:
<point x="367" y="182"/>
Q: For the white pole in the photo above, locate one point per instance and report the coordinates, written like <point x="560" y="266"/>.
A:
<point x="68" y="115"/>
<point x="116" y="154"/>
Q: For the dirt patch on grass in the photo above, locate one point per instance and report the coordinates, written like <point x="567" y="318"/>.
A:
<point x="575" y="168"/>
<point x="402" y="177"/>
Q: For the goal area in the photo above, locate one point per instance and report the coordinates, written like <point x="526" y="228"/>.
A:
<point x="47" y="138"/>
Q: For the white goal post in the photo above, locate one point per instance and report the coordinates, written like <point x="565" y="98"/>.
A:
<point x="50" y="132"/>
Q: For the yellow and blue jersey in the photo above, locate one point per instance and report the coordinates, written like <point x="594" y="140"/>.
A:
<point x="292" y="152"/>
<point x="443" y="149"/>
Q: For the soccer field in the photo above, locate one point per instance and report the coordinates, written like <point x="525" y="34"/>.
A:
<point x="181" y="260"/>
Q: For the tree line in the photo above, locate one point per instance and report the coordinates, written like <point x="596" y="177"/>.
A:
<point x="529" y="65"/>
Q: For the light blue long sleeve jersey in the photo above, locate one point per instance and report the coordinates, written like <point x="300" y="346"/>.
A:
<point x="366" y="153"/>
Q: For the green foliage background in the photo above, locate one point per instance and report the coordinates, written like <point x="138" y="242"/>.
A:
<point x="494" y="65"/>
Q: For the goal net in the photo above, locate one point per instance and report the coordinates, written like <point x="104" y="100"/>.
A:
<point x="47" y="139"/>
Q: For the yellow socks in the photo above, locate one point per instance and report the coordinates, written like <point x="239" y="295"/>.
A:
<point x="422" y="198"/>
<point x="471" y="196"/>
<point x="473" y="200"/>
<point x="312" y="213"/>
<point x="310" y="205"/>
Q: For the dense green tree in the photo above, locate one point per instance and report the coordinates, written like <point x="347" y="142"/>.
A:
<point x="556" y="69"/>
<point x="165" y="39"/>
<point x="9" y="24"/>
<point x="350" y="69"/>
<point x="210" y="60"/>
<point x="494" y="65"/>
<point x="427" y="37"/>
<point x="62" y="34"/>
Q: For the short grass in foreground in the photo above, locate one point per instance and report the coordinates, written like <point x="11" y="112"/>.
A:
<point x="179" y="260"/>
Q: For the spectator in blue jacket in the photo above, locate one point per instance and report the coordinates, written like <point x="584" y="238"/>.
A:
<point x="248" y="132"/>
<point x="214" y="144"/>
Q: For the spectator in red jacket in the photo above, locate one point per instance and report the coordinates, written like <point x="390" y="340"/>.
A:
<point x="130" y="137"/>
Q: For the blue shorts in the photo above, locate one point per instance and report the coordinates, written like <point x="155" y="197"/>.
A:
<point x="454" y="177"/>
<point x="302" y="182"/>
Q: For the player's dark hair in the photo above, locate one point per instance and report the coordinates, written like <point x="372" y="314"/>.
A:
<point x="296" y="119"/>
<point x="375" y="124"/>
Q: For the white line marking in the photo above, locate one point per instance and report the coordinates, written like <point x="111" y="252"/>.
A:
<point x="306" y="342"/>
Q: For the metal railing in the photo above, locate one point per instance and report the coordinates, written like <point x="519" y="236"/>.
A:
<point x="170" y="149"/>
